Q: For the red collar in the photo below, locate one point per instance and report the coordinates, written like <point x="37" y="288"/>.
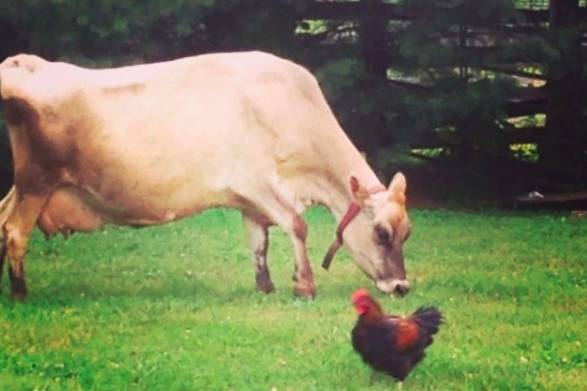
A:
<point x="352" y="212"/>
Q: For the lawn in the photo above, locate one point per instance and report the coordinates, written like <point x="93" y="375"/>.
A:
<point x="174" y="308"/>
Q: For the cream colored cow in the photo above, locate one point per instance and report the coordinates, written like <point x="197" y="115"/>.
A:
<point x="150" y="144"/>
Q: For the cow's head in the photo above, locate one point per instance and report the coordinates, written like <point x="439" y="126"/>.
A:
<point x="376" y="231"/>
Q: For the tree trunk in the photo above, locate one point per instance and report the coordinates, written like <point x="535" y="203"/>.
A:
<point x="566" y="142"/>
<point x="375" y="54"/>
<point x="373" y="39"/>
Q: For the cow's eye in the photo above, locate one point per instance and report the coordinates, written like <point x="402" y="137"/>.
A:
<point x="383" y="236"/>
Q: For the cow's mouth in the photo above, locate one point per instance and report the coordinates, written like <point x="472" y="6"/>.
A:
<point x="393" y="286"/>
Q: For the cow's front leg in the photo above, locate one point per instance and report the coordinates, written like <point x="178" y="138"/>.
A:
<point x="257" y="234"/>
<point x="293" y="224"/>
<point x="303" y="276"/>
<point x="17" y="229"/>
<point x="275" y="207"/>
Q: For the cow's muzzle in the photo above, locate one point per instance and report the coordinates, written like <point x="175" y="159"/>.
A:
<point x="393" y="286"/>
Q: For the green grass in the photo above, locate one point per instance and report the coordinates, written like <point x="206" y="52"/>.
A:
<point x="174" y="308"/>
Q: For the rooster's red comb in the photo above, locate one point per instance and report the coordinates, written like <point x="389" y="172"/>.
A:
<point x="360" y="294"/>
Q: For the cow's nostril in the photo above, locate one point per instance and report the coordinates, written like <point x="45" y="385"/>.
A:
<point x="393" y="286"/>
<point x="401" y="289"/>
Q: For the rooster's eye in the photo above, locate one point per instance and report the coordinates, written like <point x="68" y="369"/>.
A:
<point x="382" y="235"/>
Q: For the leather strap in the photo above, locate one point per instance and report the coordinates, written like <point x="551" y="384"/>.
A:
<point x="352" y="212"/>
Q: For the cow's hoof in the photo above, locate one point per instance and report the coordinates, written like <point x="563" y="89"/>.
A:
<point x="18" y="290"/>
<point x="305" y="290"/>
<point x="19" y="296"/>
<point x="265" y="285"/>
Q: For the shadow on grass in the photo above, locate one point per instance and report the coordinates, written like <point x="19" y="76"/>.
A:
<point x="80" y="291"/>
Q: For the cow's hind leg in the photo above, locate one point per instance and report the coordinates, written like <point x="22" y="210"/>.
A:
<point x="258" y="242"/>
<point x="17" y="229"/>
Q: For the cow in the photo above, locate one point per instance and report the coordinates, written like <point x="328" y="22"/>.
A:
<point x="153" y="143"/>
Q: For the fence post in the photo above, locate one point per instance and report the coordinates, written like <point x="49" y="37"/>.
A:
<point x="566" y="93"/>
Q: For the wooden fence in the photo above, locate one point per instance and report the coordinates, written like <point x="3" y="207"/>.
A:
<point x="482" y="36"/>
<point x="479" y="36"/>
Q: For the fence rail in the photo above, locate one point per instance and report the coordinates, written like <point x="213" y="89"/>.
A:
<point x="355" y="9"/>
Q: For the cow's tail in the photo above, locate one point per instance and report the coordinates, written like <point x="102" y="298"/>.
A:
<point x="6" y="206"/>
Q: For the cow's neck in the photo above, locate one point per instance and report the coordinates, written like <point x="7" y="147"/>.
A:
<point x="335" y="192"/>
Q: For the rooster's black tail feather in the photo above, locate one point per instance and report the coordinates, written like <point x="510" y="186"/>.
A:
<point x="428" y="318"/>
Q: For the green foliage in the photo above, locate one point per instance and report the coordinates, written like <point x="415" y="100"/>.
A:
<point x="122" y="31"/>
<point x="107" y="31"/>
<point x="254" y="24"/>
<point x="339" y="75"/>
<point x="174" y="308"/>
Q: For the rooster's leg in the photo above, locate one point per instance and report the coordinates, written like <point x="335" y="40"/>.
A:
<point x="378" y="377"/>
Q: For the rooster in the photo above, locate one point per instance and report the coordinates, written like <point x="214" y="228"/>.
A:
<point x="389" y="343"/>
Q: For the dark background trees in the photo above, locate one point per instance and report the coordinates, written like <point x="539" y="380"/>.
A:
<point x="482" y="94"/>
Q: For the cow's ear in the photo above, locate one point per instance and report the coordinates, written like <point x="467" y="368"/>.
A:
<point x="360" y="194"/>
<point x="397" y="188"/>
